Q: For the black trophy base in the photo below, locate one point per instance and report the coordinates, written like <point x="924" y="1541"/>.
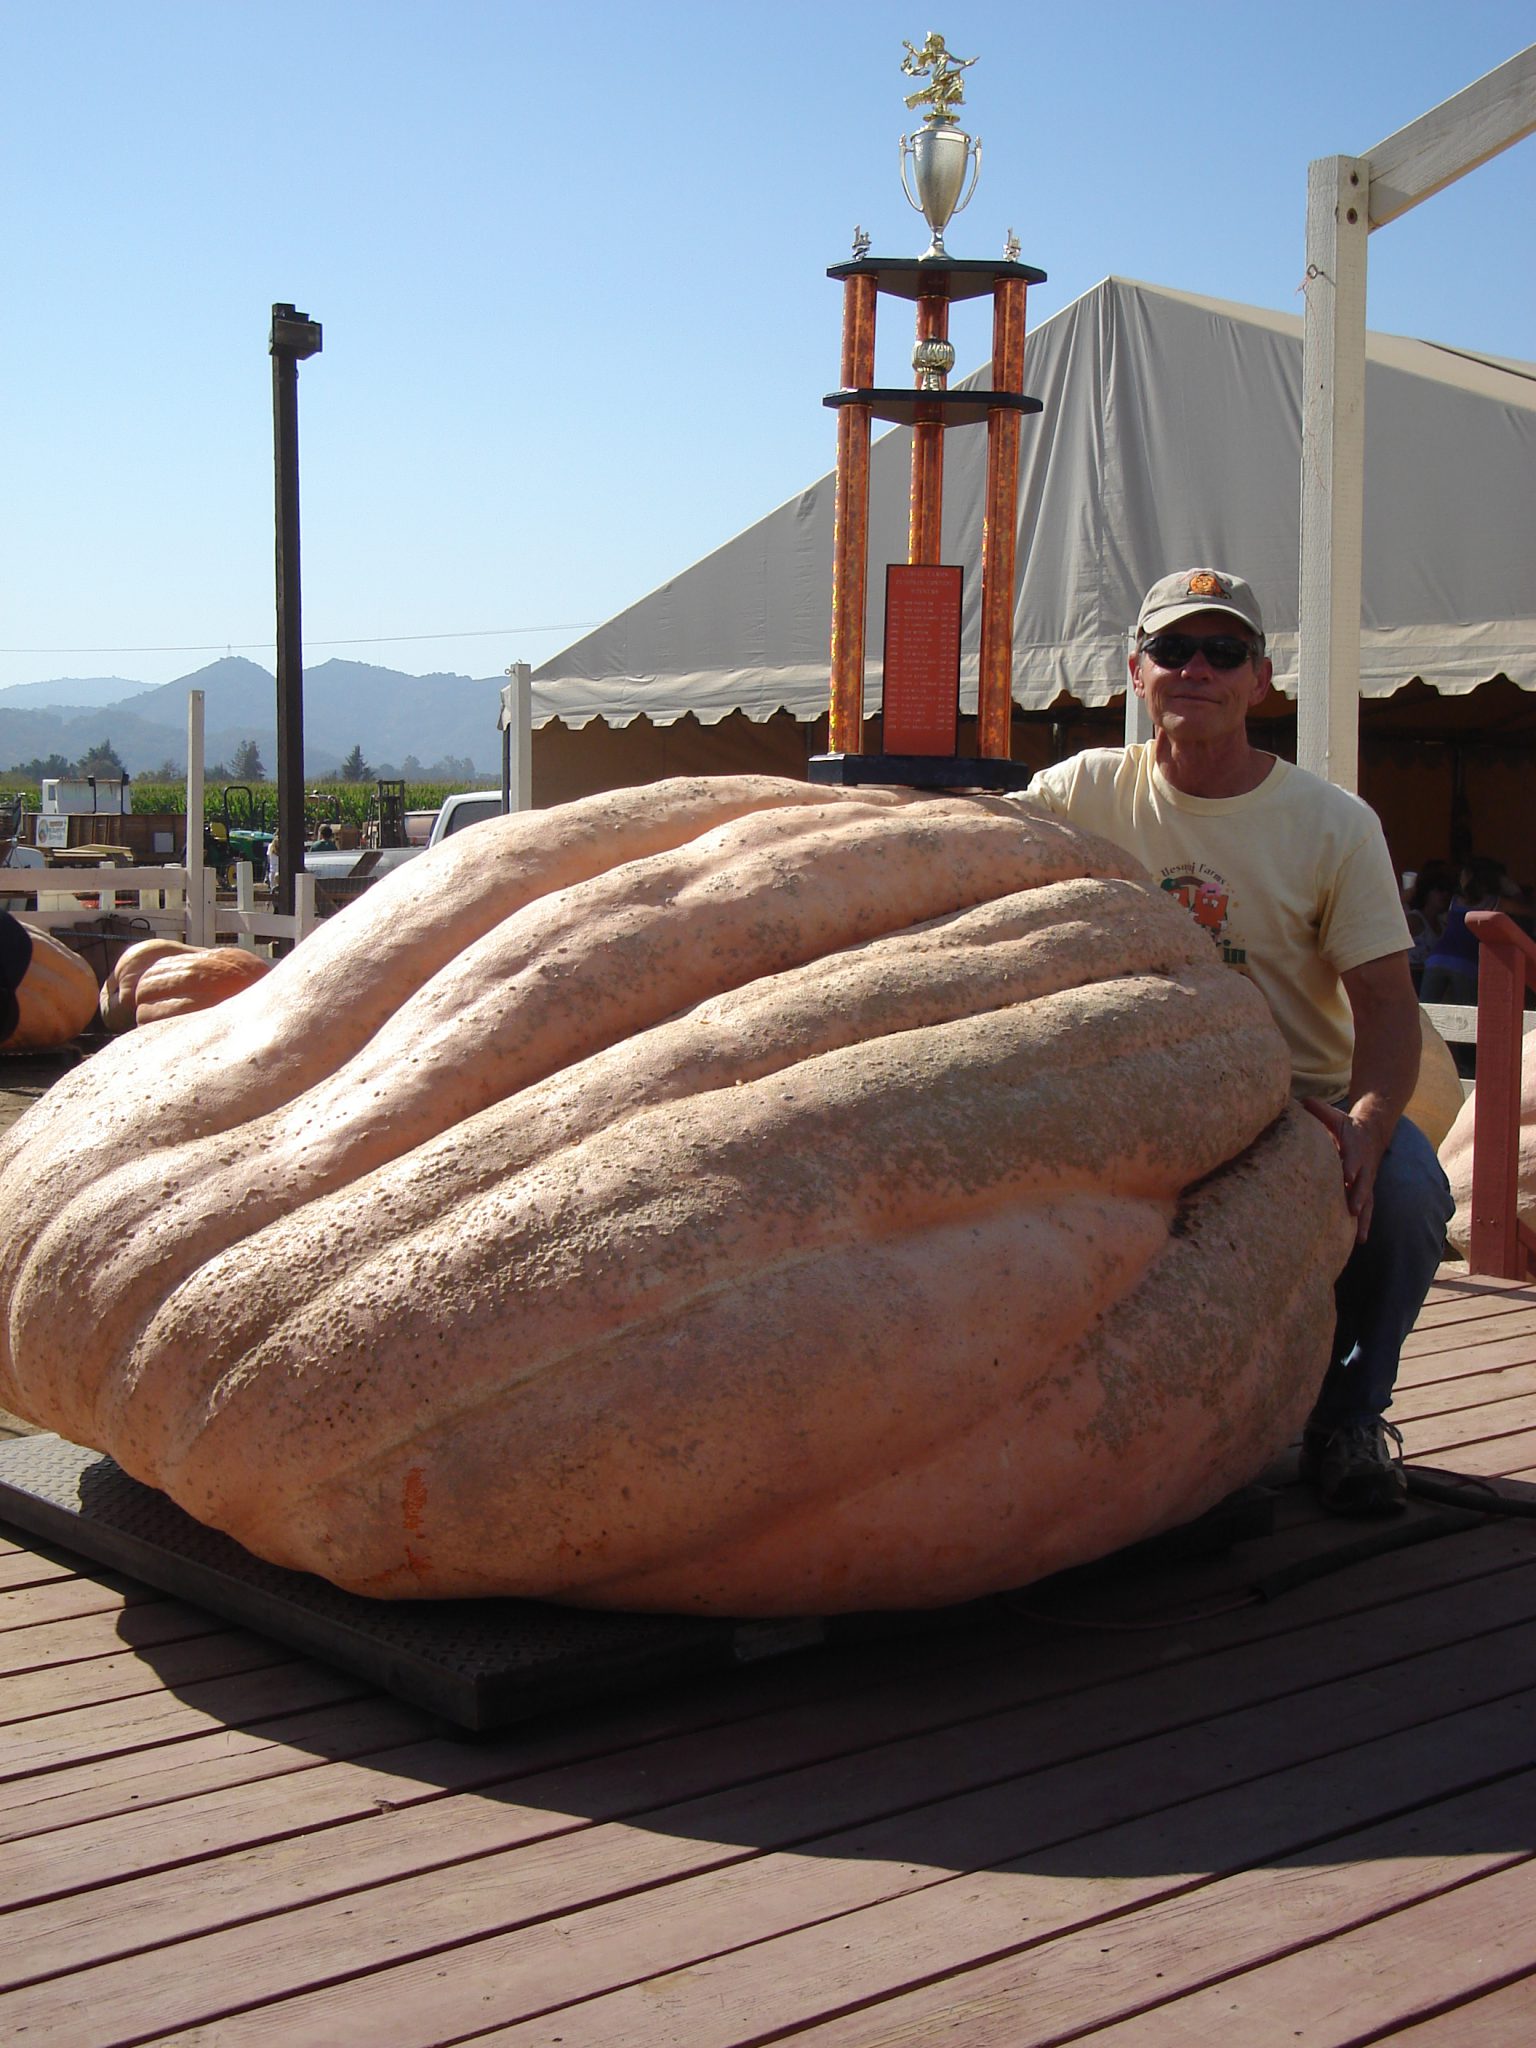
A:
<point x="918" y="771"/>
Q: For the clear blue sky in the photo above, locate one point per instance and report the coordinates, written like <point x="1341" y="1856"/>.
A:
<point x="570" y="266"/>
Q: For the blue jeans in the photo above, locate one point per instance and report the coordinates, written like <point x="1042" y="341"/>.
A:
<point x="1378" y="1295"/>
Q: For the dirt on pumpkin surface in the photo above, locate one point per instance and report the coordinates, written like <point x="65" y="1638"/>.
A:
<point x="24" y="1079"/>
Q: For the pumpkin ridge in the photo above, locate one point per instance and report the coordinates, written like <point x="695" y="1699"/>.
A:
<point x="351" y="966"/>
<point x="415" y="1323"/>
<point x="831" y="1008"/>
<point x="365" y="1143"/>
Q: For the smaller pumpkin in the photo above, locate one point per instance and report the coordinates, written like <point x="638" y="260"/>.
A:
<point x="194" y="978"/>
<point x="53" y="996"/>
<point x="1456" y="1155"/>
<point x="1438" y="1093"/>
<point x="119" y="992"/>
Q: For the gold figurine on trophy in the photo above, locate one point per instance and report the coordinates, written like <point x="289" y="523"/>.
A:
<point x="933" y="61"/>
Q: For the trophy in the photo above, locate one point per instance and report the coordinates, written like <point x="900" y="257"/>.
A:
<point x="924" y="597"/>
<point x="940" y="149"/>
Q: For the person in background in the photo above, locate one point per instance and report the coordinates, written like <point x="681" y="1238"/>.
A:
<point x="1291" y="879"/>
<point x="1450" y="964"/>
<point x="1426" y="904"/>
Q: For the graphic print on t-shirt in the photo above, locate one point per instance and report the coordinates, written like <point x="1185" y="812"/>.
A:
<point x="1207" y="897"/>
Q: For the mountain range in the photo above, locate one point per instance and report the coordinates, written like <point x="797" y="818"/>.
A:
<point x="346" y="704"/>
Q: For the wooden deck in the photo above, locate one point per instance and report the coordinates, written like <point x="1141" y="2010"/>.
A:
<point x="1145" y="1808"/>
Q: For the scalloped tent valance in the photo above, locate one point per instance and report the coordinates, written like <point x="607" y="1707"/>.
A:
<point x="1171" y="434"/>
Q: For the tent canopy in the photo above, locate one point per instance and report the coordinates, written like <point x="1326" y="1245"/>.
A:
<point x="1171" y="435"/>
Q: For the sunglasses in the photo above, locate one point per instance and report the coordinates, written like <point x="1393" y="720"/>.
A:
<point x="1221" y="650"/>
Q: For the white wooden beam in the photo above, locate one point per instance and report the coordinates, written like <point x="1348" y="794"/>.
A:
<point x="516" y="722"/>
<point x="1138" y="720"/>
<point x="1332" y="472"/>
<point x="1453" y="138"/>
<point x="198" y="932"/>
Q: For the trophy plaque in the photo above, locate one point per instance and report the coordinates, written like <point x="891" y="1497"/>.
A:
<point x="924" y="596"/>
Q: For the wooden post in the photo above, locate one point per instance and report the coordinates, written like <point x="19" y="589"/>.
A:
<point x="999" y="531"/>
<point x="1332" y="472"/>
<point x="198" y="931"/>
<point x="517" y="739"/>
<point x="850" y="522"/>
<point x="1504" y="959"/>
<point x="294" y="338"/>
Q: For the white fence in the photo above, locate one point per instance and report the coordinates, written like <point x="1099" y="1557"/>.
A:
<point x="160" y="902"/>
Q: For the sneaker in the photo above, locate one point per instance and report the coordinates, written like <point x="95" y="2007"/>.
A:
<point x="1353" y="1470"/>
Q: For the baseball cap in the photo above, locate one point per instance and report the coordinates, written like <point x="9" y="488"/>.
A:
<point x="1174" y="597"/>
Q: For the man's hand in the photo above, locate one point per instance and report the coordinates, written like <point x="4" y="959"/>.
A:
<point x="1387" y="1044"/>
<point x="1361" y="1144"/>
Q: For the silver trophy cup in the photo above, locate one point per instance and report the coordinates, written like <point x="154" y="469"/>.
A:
<point x="939" y="156"/>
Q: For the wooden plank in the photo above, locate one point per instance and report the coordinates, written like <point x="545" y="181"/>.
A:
<point x="144" y="1627"/>
<point x="217" y="1654"/>
<point x="1365" y="1982"/>
<point x="1471" y="1301"/>
<point x="1440" y="1434"/>
<point x="60" y="1600"/>
<point x="1416" y="161"/>
<point x="1505" y="2018"/>
<point x="695" y="1761"/>
<point x="29" y="1568"/>
<point x="140" y="1783"/>
<point x="1465" y="1394"/>
<point x="78" y="1735"/>
<point x="1493" y="1458"/>
<point x="229" y="1757"/>
<point x="908" y="1814"/>
<point x="1109" y="1970"/>
<point x="1444" y="1363"/>
<point x="751" y="1988"/>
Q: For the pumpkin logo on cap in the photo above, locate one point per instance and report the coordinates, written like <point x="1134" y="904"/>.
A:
<point x="1205" y="583"/>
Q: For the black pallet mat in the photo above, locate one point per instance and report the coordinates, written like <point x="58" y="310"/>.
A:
<point x="479" y="1664"/>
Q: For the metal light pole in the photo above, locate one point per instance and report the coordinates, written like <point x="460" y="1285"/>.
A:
<point x="294" y="336"/>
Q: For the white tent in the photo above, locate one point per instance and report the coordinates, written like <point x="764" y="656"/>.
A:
<point x="1171" y="434"/>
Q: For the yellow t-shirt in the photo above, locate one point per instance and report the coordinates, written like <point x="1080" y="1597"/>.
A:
<point x="1292" y="881"/>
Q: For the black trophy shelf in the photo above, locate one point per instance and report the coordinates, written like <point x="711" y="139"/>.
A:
<point x="904" y="407"/>
<point x="924" y="277"/>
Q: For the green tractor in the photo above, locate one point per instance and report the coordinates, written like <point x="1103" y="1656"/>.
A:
<point x="240" y="832"/>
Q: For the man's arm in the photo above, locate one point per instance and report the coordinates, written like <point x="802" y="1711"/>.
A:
<point x="1385" y="1071"/>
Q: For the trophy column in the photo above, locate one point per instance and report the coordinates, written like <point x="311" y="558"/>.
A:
<point x="923" y="598"/>
<point x="850" y="521"/>
<point x="999" y="531"/>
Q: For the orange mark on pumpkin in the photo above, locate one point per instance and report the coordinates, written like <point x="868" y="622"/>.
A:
<point x="417" y="1561"/>
<point x="413" y="1501"/>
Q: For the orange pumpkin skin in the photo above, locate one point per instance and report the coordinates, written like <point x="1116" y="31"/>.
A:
<point x="724" y="1196"/>
<point x="119" y="991"/>
<point x="56" y="999"/>
<point x="1437" y="1094"/>
<point x="1456" y="1155"/>
<point x="195" y="979"/>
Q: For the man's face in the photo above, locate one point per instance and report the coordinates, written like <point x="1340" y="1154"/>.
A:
<point x="1198" y="703"/>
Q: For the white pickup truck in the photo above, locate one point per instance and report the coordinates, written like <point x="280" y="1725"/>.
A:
<point x="347" y="870"/>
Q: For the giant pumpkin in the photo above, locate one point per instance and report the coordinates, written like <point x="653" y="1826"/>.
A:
<point x="728" y="1196"/>
<point x="53" y="996"/>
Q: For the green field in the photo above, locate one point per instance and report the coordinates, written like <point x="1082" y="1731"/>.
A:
<point x="344" y="803"/>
